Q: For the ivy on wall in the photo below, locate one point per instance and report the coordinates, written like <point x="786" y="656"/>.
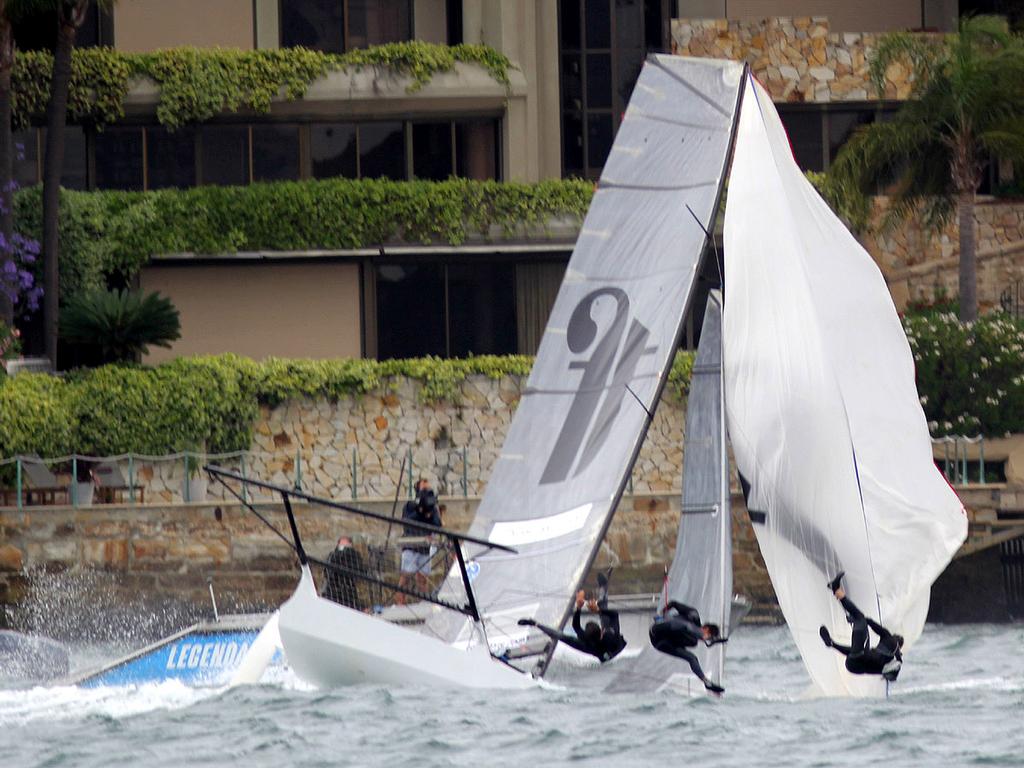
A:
<point x="196" y="84"/>
<point x="214" y="400"/>
<point x="113" y="233"/>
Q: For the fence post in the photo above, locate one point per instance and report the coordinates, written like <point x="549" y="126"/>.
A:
<point x="187" y="485"/>
<point x="410" y="471"/>
<point x="298" y="469"/>
<point x="131" y="478"/>
<point x="945" y="459"/>
<point x="981" y="460"/>
<point x="245" y="497"/>
<point x="74" y="481"/>
<point x="355" y="475"/>
<point x="963" y="464"/>
<point x="465" y="475"/>
<point x="17" y="462"/>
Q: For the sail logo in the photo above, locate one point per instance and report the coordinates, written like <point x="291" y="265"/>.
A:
<point x="612" y="363"/>
<point x="205" y="655"/>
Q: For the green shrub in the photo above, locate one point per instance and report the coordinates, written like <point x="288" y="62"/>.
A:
<point x="970" y="375"/>
<point x="106" y="234"/>
<point x="120" y="325"/>
<point x="213" y="401"/>
<point x="198" y="83"/>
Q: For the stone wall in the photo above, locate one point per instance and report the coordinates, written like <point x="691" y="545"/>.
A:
<point x="354" y="448"/>
<point x="160" y="560"/>
<point x="920" y="265"/>
<point x="796" y="59"/>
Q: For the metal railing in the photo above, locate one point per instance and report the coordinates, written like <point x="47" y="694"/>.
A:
<point x="955" y="461"/>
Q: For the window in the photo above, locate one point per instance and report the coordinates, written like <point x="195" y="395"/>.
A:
<point x="341" y="25"/>
<point x="76" y="158"/>
<point x="26" y="157"/>
<point x="432" y="151"/>
<point x="224" y="154"/>
<point x="382" y="151"/>
<point x="119" y="160"/>
<point x="481" y="309"/>
<point x="333" y="150"/>
<point x="603" y="44"/>
<point x="170" y="158"/>
<point x="410" y="310"/>
<point x="806" y="137"/>
<point x="476" y="149"/>
<point x="275" y="152"/>
<point x="841" y="125"/>
<point x="448" y="310"/>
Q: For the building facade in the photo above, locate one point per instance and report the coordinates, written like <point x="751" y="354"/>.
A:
<point x="575" y="62"/>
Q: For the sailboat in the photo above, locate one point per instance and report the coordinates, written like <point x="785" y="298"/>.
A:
<point x="828" y="434"/>
<point x="603" y="361"/>
<point x="701" y="571"/>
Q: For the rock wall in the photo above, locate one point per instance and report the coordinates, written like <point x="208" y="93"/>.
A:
<point x="796" y="59"/>
<point x="920" y="265"/>
<point x="61" y="568"/>
<point x="354" y="448"/>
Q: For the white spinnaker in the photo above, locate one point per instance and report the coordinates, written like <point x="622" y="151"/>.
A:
<point x="823" y="412"/>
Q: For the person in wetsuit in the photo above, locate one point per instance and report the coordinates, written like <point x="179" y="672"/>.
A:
<point x="603" y="641"/>
<point x="884" y="659"/>
<point x="341" y="584"/>
<point x="675" y="634"/>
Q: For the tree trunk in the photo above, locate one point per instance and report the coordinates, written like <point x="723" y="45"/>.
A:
<point x="968" y="258"/>
<point x="6" y="151"/>
<point x="56" y="117"/>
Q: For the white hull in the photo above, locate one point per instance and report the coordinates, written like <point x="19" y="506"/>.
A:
<point x="329" y="645"/>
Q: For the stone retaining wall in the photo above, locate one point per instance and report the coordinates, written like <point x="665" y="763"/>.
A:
<point x="796" y="59"/>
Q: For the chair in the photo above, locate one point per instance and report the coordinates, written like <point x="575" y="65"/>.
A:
<point x="39" y="482"/>
<point x="110" y="482"/>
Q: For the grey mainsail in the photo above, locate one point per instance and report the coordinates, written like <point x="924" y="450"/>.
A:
<point x="701" y="572"/>
<point x="606" y="351"/>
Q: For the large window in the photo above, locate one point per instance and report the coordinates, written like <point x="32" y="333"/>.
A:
<point x="448" y="310"/>
<point x="342" y="25"/>
<point x="603" y="44"/>
<point x="817" y="132"/>
<point x="152" y="157"/>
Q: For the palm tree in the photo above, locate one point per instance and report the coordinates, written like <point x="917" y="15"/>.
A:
<point x="966" y="106"/>
<point x="70" y="15"/>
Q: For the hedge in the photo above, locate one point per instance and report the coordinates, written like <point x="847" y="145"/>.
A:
<point x="196" y="84"/>
<point x="970" y="375"/>
<point x="211" y="400"/>
<point x="113" y="233"/>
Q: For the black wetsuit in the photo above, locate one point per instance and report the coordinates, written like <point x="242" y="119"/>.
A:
<point x="861" y="658"/>
<point x="605" y="648"/>
<point x="342" y="587"/>
<point x="674" y="635"/>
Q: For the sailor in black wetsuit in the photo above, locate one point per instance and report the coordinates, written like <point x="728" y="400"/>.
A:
<point x="884" y="659"/>
<point x="675" y="634"/>
<point x="604" y="641"/>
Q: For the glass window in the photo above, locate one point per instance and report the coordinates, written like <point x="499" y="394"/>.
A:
<point x="599" y="81"/>
<point x="476" y="149"/>
<point x="572" y="82"/>
<point x="481" y="309"/>
<point x="598" y="20"/>
<point x="170" y="158"/>
<point x="76" y="158"/>
<point x="119" y="158"/>
<point x="599" y="141"/>
<point x="333" y="150"/>
<point x="374" y="22"/>
<point x="432" y="151"/>
<point x="804" y="130"/>
<point x="317" y="24"/>
<point x="26" y="157"/>
<point x="627" y="72"/>
<point x="410" y="310"/>
<point x="572" y="145"/>
<point x="842" y="124"/>
<point x="629" y="23"/>
<point x="381" y="151"/>
<point x="224" y="157"/>
<point x="453" y="17"/>
<point x="275" y="152"/>
<point x="569" y="24"/>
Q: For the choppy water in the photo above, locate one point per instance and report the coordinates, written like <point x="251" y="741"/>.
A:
<point x="960" y="701"/>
